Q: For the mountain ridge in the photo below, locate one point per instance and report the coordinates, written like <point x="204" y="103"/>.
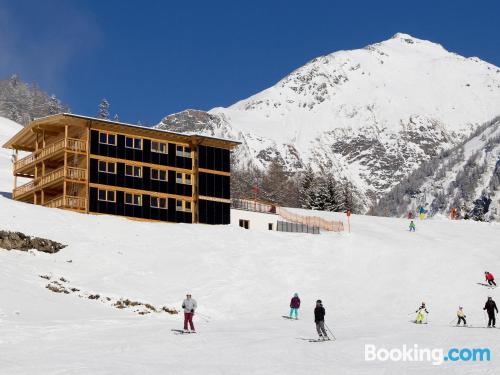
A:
<point x="369" y="115"/>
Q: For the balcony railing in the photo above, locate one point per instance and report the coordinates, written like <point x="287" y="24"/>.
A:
<point x="70" y="173"/>
<point x="68" y="201"/>
<point x="70" y="144"/>
<point x="77" y="174"/>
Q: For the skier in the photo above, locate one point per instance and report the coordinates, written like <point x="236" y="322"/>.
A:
<point x="420" y="313"/>
<point x="412" y="226"/>
<point x="490" y="308"/>
<point x="422" y="213"/>
<point x="319" y="319"/>
<point x="410" y="215"/>
<point x="294" y="306"/>
<point x="453" y="213"/>
<point x="461" y="316"/>
<point x="189" y="305"/>
<point x="490" y="278"/>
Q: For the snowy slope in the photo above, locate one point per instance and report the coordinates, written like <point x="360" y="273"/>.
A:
<point x="370" y="115"/>
<point x="8" y="129"/>
<point x="369" y="281"/>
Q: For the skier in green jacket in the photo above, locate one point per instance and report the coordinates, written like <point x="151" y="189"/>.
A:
<point x="412" y="226"/>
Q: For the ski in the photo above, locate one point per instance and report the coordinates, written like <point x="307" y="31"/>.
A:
<point x="415" y="322"/>
<point x="181" y="332"/>
<point x="314" y="340"/>
<point x="487" y="285"/>
<point x="287" y="317"/>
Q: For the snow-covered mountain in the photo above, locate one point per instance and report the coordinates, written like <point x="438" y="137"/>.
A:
<point x="22" y="103"/>
<point x="370" y="115"/>
<point x="467" y="178"/>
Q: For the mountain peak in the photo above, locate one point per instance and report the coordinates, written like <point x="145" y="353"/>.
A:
<point x="403" y="36"/>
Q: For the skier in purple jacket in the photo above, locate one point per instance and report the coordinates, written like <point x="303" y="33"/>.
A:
<point x="294" y="306"/>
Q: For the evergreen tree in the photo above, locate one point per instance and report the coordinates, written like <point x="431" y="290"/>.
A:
<point x="306" y="188"/>
<point x="103" y="109"/>
<point x="116" y="118"/>
<point x="54" y="106"/>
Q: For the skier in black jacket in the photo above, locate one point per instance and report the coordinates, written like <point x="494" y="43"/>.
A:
<point x="319" y="319"/>
<point x="490" y="308"/>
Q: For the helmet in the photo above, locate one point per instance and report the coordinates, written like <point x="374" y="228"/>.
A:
<point x="319" y="301"/>
<point x="296" y="295"/>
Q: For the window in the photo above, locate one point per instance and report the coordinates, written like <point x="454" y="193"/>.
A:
<point x="135" y="143"/>
<point x="106" y="195"/>
<point x="133" y="199"/>
<point x="245" y="223"/>
<point x="183" y="151"/>
<point x="183" y="178"/>
<point x="183" y="206"/>
<point x="159" y="147"/>
<point x="270" y="226"/>
<point x="158" y="174"/>
<point x="107" y="139"/>
<point x="107" y="167"/>
<point x="133" y="171"/>
<point x="159" y="203"/>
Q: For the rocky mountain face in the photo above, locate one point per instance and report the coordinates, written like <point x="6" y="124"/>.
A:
<point x="466" y="177"/>
<point x="22" y="103"/>
<point x="370" y="116"/>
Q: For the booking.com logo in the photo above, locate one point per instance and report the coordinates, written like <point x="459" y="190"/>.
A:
<point x="436" y="356"/>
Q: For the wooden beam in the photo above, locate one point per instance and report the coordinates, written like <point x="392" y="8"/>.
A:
<point x="87" y="187"/>
<point x="211" y="171"/>
<point x="214" y="199"/>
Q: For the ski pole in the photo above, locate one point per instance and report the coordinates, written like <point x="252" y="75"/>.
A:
<point x="451" y="321"/>
<point x="329" y="330"/>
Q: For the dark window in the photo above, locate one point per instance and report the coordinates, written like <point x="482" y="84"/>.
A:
<point x="270" y="226"/>
<point x="133" y="171"/>
<point x="159" y="203"/>
<point x="245" y="223"/>
<point x="107" y="139"/>
<point x="157" y="174"/>
<point x="106" y="195"/>
<point x="159" y="147"/>
<point x="133" y="143"/>
<point x="133" y="199"/>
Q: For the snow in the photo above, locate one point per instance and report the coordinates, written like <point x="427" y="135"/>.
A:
<point x="369" y="281"/>
<point x="8" y="129"/>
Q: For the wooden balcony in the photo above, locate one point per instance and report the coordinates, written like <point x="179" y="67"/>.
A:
<point x="65" y="144"/>
<point x="68" y="202"/>
<point x="52" y="178"/>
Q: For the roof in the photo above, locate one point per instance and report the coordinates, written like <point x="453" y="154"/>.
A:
<point x="16" y="141"/>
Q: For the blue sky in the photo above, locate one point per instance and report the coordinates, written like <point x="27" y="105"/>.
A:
<point x="153" y="58"/>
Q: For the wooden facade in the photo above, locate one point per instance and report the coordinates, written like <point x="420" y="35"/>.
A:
<point x="98" y="166"/>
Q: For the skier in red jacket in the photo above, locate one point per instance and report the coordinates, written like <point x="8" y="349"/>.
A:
<point x="490" y="278"/>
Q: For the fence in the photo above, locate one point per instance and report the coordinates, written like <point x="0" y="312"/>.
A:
<point x="285" y="226"/>
<point x="255" y="206"/>
<point x="329" y="225"/>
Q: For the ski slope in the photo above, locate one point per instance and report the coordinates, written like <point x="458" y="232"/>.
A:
<point x="369" y="281"/>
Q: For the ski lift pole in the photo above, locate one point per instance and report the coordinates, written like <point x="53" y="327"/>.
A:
<point x="349" y="220"/>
